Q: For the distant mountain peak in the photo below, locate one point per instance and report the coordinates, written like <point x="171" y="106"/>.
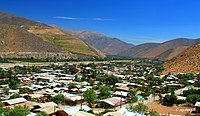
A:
<point x="108" y="45"/>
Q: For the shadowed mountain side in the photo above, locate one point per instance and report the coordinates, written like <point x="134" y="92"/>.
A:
<point x="136" y="50"/>
<point x="107" y="45"/>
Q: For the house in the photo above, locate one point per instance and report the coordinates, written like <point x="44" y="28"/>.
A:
<point x="71" y="111"/>
<point x="120" y="94"/>
<point x="48" y="107"/>
<point x="14" y="101"/>
<point x="123" y="112"/>
<point x="82" y="113"/>
<point x="110" y="102"/>
<point x="123" y="88"/>
<point x="181" y="98"/>
<point x="197" y="106"/>
<point x="29" y="104"/>
<point x="74" y="100"/>
<point x="37" y="87"/>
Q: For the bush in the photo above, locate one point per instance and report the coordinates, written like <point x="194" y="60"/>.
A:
<point x="59" y="99"/>
<point x="14" y="96"/>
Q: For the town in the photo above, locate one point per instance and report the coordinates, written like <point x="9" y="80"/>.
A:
<point x="104" y="88"/>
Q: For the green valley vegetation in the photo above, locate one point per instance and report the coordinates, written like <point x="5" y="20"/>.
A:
<point x="16" y="111"/>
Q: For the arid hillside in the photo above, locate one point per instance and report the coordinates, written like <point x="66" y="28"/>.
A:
<point x="188" y="61"/>
<point x="19" y="34"/>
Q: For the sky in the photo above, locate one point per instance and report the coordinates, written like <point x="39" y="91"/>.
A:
<point x="133" y="21"/>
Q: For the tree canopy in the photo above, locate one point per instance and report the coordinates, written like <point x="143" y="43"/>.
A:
<point x="16" y="111"/>
<point x="140" y="108"/>
<point x="90" y="96"/>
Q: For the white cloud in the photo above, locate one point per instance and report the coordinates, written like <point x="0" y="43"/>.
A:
<point x="102" y="19"/>
<point x="67" y="18"/>
<point x="73" y="18"/>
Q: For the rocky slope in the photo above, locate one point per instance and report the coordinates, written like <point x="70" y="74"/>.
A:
<point x="188" y="61"/>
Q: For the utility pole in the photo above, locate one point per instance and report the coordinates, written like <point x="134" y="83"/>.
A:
<point x="81" y="101"/>
<point x="121" y="101"/>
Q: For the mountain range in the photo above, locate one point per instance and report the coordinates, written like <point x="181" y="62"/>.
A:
<point x="24" y="38"/>
<point x="107" y="45"/>
<point x="21" y="35"/>
<point x="161" y="51"/>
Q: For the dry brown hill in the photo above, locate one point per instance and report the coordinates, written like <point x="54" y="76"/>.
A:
<point x="188" y="61"/>
<point x="15" y="39"/>
<point x="162" y="51"/>
<point x="169" y="54"/>
<point x="107" y="45"/>
<point x="23" y="35"/>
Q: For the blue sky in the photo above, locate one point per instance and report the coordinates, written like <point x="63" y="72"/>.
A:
<point x="133" y="21"/>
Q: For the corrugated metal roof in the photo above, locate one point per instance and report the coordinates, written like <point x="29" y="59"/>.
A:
<point x="15" y="101"/>
<point x="81" y="113"/>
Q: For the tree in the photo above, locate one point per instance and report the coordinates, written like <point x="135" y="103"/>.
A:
<point x="90" y="97"/>
<point x="24" y="90"/>
<point x="153" y="113"/>
<point x="140" y="108"/>
<point x="111" y="80"/>
<point x="42" y="114"/>
<point x="105" y="91"/>
<point x="60" y="98"/>
<point x="193" y="98"/>
<point x="17" y="111"/>
<point x="13" y="82"/>
<point x="169" y="100"/>
<point x="71" y="86"/>
<point x="131" y="95"/>
<point x="6" y="90"/>
<point x="14" y="96"/>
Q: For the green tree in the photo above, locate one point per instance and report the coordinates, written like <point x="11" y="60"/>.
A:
<point x="169" y="100"/>
<point x="140" y="108"/>
<point x="131" y="96"/>
<point x="111" y="80"/>
<point x="193" y="98"/>
<point x="24" y="90"/>
<point x="59" y="99"/>
<point x="105" y="91"/>
<point x="6" y="90"/>
<point x="14" y="96"/>
<point x="17" y="111"/>
<point x="90" y="97"/>
<point x="153" y="113"/>
<point x="42" y="114"/>
<point x="13" y="82"/>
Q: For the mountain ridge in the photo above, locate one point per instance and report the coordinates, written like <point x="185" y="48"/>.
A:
<point x="31" y="36"/>
<point x="161" y="51"/>
<point x="107" y="45"/>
